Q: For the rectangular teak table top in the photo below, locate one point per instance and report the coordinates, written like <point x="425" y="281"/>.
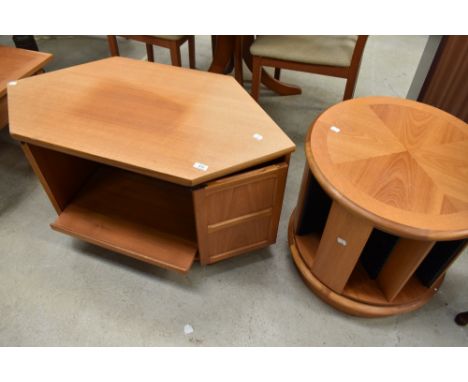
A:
<point x="154" y="119"/>
<point x="19" y="63"/>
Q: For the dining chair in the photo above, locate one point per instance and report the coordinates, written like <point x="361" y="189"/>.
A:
<point x="173" y="43"/>
<point x="337" y="56"/>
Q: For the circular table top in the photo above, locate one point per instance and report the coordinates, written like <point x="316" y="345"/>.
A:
<point x="400" y="163"/>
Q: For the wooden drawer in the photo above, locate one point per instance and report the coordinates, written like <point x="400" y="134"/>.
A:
<point x="239" y="213"/>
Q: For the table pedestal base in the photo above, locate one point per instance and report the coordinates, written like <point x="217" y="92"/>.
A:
<point x="363" y="303"/>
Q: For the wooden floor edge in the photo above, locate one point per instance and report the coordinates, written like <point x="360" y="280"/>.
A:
<point x="343" y="303"/>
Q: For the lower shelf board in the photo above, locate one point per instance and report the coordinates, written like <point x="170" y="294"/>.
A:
<point x="362" y="288"/>
<point x="128" y="238"/>
<point x="362" y="295"/>
<point x="135" y="216"/>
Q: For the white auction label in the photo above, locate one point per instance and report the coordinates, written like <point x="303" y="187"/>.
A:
<point x="200" y="166"/>
<point x="341" y="241"/>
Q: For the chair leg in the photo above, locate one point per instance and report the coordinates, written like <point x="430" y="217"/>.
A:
<point x="150" y="52"/>
<point x="238" y="69"/>
<point x="277" y="73"/>
<point x="191" y="51"/>
<point x="256" y="76"/>
<point x="350" y="86"/>
<point x="113" y="46"/>
<point x="175" y="54"/>
<point x="213" y="44"/>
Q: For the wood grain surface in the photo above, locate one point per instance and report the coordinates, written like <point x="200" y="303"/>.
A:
<point x="61" y="175"/>
<point x="19" y="63"/>
<point x="402" y="264"/>
<point x="399" y="163"/>
<point x="15" y="64"/>
<point x="239" y="213"/>
<point x="149" y="118"/>
<point x="135" y="215"/>
<point x="342" y="241"/>
<point x="127" y="237"/>
<point x="361" y="295"/>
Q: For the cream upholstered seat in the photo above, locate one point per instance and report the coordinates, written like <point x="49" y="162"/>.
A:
<point x="338" y="56"/>
<point x="319" y="50"/>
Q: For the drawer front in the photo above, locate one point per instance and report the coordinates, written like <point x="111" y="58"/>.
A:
<point x="240" y="200"/>
<point x="237" y="214"/>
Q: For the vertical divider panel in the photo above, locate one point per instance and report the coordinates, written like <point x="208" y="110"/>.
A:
<point x="401" y="265"/>
<point x="342" y="242"/>
<point x="201" y="219"/>
<point x="61" y="175"/>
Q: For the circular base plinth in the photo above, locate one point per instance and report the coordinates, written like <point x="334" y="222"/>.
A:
<point x="346" y="304"/>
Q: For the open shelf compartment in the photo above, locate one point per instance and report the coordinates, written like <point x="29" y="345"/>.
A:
<point x="362" y="285"/>
<point x="157" y="221"/>
<point x="135" y="215"/>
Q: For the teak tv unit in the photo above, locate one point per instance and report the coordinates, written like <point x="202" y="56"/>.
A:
<point x="383" y="207"/>
<point x="155" y="162"/>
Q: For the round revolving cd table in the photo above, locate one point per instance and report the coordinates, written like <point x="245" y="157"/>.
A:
<point x="383" y="207"/>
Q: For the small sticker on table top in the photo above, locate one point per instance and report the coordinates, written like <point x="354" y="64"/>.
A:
<point x="258" y="136"/>
<point x="335" y="129"/>
<point x="12" y="83"/>
<point x="200" y="166"/>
